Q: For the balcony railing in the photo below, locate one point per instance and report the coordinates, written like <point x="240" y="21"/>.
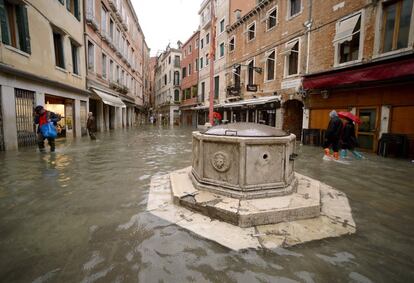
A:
<point x="233" y="90"/>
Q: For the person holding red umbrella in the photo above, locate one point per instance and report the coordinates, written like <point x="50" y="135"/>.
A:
<point x="348" y="139"/>
<point x="332" y="135"/>
<point x="216" y="118"/>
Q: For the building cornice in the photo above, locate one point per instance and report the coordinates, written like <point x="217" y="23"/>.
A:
<point x="249" y="15"/>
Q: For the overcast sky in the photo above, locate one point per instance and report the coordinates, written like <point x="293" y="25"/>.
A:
<point x="165" y="21"/>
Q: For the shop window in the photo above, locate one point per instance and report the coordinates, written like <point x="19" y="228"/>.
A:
<point x="291" y="53"/>
<point x="251" y="31"/>
<point x="396" y="22"/>
<point x="73" y="7"/>
<point x="58" y="46"/>
<point x="348" y="38"/>
<point x="216" y="87"/>
<point x="232" y="44"/>
<point x="91" y="56"/>
<point x="104" y="73"/>
<point x="75" y="57"/>
<point x="295" y="7"/>
<point x="270" y="66"/>
<point x="15" y="25"/>
<point x="271" y="19"/>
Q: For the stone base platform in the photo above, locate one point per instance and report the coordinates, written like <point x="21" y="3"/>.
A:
<point x="305" y="203"/>
<point x="333" y="218"/>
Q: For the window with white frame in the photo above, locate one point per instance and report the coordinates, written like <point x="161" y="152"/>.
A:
<point x="201" y="63"/>
<point x="91" y="56"/>
<point x="190" y="69"/>
<point x="104" y="14"/>
<point x="294" y="7"/>
<point x="222" y="26"/>
<point x="270" y="66"/>
<point x="207" y="38"/>
<point x="232" y="43"/>
<point x="347" y="39"/>
<point x="207" y="59"/>
<point x="251" y="31"/>
<point x="396" y="22"/>
<point x="271" y="20"/>
<point x="75" y="57"/>
<point x="221" y="49"/>
<point x="111" y="70"/>
<point x="291" y="53"/>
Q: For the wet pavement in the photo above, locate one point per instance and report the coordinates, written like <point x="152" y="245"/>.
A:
<point x="78" y="215"/>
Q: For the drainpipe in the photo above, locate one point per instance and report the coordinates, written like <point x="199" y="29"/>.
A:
<point x="211" y="55"/>
<point x="308" y="25"/>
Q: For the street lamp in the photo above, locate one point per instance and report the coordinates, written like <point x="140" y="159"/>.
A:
<point x="236" y="66"/>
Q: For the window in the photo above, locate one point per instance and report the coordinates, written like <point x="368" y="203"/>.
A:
<point x="196" y="65"/>
<point x="190" y="49"/>
<point x="221" y="49"/>
<point x="271" y="19"/>
<point x="347" y="39"/>
<point x="15" y="26"/>
<point x="236" y="76"/>
<point x="203" y="90"/>
<point x="251" y="31"/>
<point x="75" y="57"/>
<point x="176" y="78"/>
<point x="292" y="58"/>
<point x="294" y="7"/>
<point x="207" y="38"/>
<point x="184" y="72"/>
<point x="201" y="63"/>
<point x="169" y="76"/>
<point x="190" y="69"/>
<point x="176" y="95"/>
<point x="250" y="73"/>
<point x="222" y="26"/>
<point x="122" y="79"/>
<point x="111" y="29"/>
<point x="196" y="43"/>
<point x="207" y="59"/>
<point x="104" y="66"/>
<point x="169" y="60"/>
<point x="117" y="74"/>
<point x="104" y="13"/>
<point x="270" y="66"/>
<point x="177" y="61"/>
<point x="202" y="43"/>
<point x="58" y="46"/>
<point x="232" y="44"/>
<point x="216" y="87"/>
<point x="91" y="56"/>
<point x="396" y="25"/>
<point x="165" y="79"/>
<point x="111" y="70"/>
<point x="73" y="7"/>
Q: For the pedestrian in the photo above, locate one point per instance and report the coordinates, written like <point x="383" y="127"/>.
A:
<point x="349" y="140"/>
<point x="332" y="135"/>
<point x="42" y="117"/>
<point x="90" y="125"/>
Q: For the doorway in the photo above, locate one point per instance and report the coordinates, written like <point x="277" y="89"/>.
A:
<point x="367" y="131"/>
<point x="293" y="116"/>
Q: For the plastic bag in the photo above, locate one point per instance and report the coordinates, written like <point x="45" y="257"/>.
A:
<point x="48" y="130"/>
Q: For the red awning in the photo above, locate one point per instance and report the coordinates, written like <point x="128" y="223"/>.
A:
<point x="377" y="72"/>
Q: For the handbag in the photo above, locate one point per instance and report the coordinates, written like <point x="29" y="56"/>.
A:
<point x="48" y="130"/>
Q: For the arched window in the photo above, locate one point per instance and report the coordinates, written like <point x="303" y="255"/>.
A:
<point x="176" y="95"/>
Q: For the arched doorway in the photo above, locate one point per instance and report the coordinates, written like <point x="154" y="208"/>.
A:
<point x="292" y="117"/>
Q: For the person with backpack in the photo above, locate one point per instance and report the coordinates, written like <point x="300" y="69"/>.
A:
<point x="332" y="135"/>
<point x="43" y="117"/>
<point x="349" y="140"/>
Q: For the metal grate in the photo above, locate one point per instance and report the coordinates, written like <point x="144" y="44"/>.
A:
<point x="26" y="129"/>
<point x="1" y="128"/>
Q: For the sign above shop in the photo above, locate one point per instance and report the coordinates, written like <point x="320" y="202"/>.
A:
<point x="291" y="84"/>
<point x="252" y="88"/>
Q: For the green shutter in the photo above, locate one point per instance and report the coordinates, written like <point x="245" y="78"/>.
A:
<point x="23" y="28"/>
<point x="4" y="28"/>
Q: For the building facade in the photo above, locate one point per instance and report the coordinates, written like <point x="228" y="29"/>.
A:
<point x="167" y="86"/>
<point x="362" y="60"/>
<point x="41" y="63"/>
<point x="115" y="47"/>
<point x="189" y="83"/>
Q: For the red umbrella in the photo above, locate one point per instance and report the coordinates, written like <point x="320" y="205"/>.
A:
<point x="217" y="115"/>
<point x="349" y="115"/>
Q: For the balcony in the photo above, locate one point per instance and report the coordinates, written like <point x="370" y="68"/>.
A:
<point x="125" y="26"/>
<point x="233" y="90"/>
<point x="91" y="21"/>
<point x="112" y="4"/>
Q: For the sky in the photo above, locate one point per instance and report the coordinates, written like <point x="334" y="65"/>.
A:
<point x="167" y="21"/>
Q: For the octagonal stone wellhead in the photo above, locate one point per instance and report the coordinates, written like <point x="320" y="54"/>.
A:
<point x="244" y="161"/>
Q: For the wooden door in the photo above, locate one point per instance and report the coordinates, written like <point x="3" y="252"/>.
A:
<point x="367" y="131"/>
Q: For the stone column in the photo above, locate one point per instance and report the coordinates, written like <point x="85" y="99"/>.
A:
<point x="76" y="119"/>
<point x="279" y="118"/>
<point x="106" y="116"/>
<point x="8" y="108"/>
<point x="305" y="120"/>
<point x="100" y="115"/>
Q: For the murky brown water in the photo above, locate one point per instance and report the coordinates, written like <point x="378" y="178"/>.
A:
<point x="79" y="216"/>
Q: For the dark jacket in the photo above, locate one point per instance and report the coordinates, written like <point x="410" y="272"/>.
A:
<point x="90" y="124"/>
<point x="49" y="116"/>
<point x="334" y="129"/>
<point x="349" y="140"/>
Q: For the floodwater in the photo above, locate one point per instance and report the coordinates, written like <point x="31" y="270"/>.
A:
<point x="78" y="215"/>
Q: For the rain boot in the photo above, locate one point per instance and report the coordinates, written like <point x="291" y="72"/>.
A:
<point x="344" y="153"/>
<point x="336" y="155"/>
<point x="357" y="154"/>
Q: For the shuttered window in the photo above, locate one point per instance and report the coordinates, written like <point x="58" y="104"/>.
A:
<point x="15" y="25"/>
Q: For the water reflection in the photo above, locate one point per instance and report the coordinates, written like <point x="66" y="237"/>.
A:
<point x="78" y="215"/>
